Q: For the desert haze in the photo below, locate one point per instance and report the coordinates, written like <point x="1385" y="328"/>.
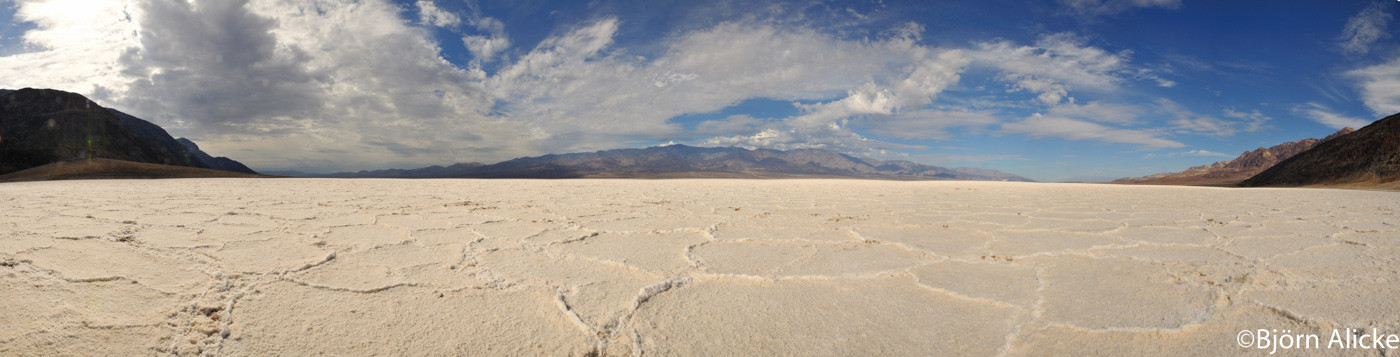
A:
<point x="706" y="267"/>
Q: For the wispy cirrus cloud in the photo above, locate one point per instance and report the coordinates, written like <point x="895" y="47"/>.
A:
<point x="1112" y="7"/>
<point x="1058" y="64"/>
<point x="1040" y="126"/>
<point x="1204" y="153"/>
<point x="1364" y="29"/>
<point x="1380" y="86"/>
<point x="1326" y="116"/>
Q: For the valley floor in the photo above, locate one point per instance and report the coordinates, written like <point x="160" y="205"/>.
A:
<point x="703" y="267"/>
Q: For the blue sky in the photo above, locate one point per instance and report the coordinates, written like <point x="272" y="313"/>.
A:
<point x="1052" y="90"/>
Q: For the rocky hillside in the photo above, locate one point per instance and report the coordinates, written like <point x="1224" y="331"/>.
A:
<point x="217" y="163"/>
<point x="1370" y="156"/>
<point x="1231" y="172"/>
<point x="44" y="126"/>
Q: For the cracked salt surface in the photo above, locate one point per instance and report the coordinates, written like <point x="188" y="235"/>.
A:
<point x="683" y="267"/>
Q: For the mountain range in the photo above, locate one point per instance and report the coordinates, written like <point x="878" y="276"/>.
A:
<point x="1232" y="172"/>
<point x="674" y="161"/>
<point x="1369" y="157"/>
<point x="1365" y="158"/>
<point x="39" y="127"/>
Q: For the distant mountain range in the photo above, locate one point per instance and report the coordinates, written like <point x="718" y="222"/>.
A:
<point x="676" y="161"/>
<point x="39" y="127"/>
<point x="1232" y="172"/>
<point x="1368" y="157"/>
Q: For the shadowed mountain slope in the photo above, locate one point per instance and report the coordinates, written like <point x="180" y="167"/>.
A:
<point x="44" y="126"/>
<point x="1232" y="172"/>
<point x="1370" y="156"/>
<point x="217" y="163"/>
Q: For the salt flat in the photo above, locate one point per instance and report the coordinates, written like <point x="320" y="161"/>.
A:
<point x="684" y="267"/>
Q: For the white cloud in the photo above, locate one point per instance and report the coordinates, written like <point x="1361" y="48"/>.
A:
<point x="929" y="123"/>
<point x="1185" y="121"/>
<point x="430" y="14"/>
<point x="927" y="78"/>
<point x="732" y="125"/>
<point x="574" y="90"/>
<point x="1204" y="153"/>
<point x="1120" y="114"/>
<point x="76" y="45"/>
<point x="488" y="24"/>
<point x="1325" y="116"/>
<point x="1364" y="29"/>
<point x="489" y="47"/>
<point x="1057" y="64"/>
<point x="486" y="48"/>
<point x="258" y="82"/>
<point x="331" y="85"/>
<point x="831" y="137"/>
<point x="1380" y="87"/>
<point x="1253" y="120"/>
<point x="1111" y="7"/>
<point x="961" y="159"/>
<point x="1039" y="126"/>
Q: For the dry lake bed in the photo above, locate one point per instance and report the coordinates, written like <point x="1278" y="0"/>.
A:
<point x="254" y="267"/>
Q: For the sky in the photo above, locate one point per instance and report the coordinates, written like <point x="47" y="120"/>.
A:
<point x="1062" y="90"/>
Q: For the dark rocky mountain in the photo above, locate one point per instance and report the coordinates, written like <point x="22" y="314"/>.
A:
<point x="1231" y="172"/>
<point x="688" y="161"/>
<point x="43" y="126"/>
<point x="217" y="163"/>
<point x="1370" y="156"/>
<point x="155" y="134"/>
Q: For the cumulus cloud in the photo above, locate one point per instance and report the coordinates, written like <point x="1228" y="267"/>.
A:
<point x="256" y="80"/>
<point x="1040" y="126"/>
<point x="1364" y="29"/>
<point x="1055" y="65"/>
<point x="574" y="89"/>
<point x="1325" y="116"/>
<point x="330" y="85"/>
<point x="430" y="14"/>
<point x="75" y="45"/>
<point x="486" y="48"/>
<point x="1111" y="7"/>
<point x="260" y="80"/>
<point x="215" y="66"/>
<point x="1380" y="87"/>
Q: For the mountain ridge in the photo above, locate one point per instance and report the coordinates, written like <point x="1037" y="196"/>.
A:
<point x="690" y="161"/>
<point x="217" y="163"/>
<point x="1368" y="157"/>
<point x="1233" y="171"/>
<point x="46" y="126"/>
